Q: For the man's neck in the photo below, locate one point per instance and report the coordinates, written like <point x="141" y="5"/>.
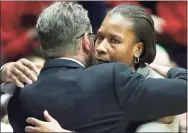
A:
<point x="78" y="58"/>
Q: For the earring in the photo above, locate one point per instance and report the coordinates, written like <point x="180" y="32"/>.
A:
<point x="136" y="59"/>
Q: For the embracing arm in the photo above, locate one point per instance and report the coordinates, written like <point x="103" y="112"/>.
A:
<point x="148" y="98"/>
<point x="18" y="72"/>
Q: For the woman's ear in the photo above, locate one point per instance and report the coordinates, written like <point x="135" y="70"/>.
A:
<point x="138" y="49"/>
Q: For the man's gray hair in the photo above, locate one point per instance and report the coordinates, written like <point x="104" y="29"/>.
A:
<point x="59" y="27"/>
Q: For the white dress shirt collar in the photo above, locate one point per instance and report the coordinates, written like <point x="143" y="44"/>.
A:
<point x="73" y="60"/>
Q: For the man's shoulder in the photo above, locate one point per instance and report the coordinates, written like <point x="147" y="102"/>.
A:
<point x="104" y="66"/>
<point x="109" y="66"/>
<point x="106" y="69"/>
<point x="100" y="69"/>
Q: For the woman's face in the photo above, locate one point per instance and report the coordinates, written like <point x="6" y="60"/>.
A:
<point x="116" y="41"/>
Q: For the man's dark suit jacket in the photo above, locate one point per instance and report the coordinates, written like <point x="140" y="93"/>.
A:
<point x="103" y="98"/>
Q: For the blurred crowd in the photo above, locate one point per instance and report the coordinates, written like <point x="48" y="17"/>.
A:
<point x="19" y="37"/>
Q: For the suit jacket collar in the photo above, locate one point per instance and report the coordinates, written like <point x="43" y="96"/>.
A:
<point x="61" y="63"/>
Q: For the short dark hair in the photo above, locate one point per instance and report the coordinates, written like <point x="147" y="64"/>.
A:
<point x="143" y="26"/>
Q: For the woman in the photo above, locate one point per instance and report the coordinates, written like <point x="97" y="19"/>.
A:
<point x="126" y="35"/>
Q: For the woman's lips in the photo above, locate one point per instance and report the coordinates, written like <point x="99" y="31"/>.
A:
<point x="101" y="61"/>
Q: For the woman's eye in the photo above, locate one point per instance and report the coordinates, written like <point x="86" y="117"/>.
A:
<point x="99" y="38"/>
<point x="114" y="41"/>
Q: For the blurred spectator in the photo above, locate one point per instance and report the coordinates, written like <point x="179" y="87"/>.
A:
<point x="18" y="34"/>
<point x="170" y="25"/>
<point x="183" y="123"/>
<point x="173" y="34"/>
<point x="162" y="57"/>
<point x="173" y="14"/>
<point x="6" y="128"/>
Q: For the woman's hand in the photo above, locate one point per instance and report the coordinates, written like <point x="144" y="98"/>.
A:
<point x="162" y="70"/>
<point x="41" y="126"/>
<point x="21" y="71"/>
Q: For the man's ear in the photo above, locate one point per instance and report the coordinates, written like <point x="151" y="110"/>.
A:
<point x="43" y="53"/>
<point x="86" y="43"/>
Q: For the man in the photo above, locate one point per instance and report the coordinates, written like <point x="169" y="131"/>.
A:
<point x="65" y="86"/>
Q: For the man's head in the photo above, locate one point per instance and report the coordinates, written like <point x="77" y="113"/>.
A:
<point x="63" y="31"/>
<point x="126" y="35"/>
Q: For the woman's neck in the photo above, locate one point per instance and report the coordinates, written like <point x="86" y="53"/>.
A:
<point x="133" y="68"/>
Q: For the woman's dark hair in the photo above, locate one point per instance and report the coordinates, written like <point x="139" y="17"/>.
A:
<point x="143" y="26"/>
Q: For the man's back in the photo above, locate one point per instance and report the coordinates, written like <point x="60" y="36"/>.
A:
<point x="101" y="99"/>
<point x="79" y="98"/>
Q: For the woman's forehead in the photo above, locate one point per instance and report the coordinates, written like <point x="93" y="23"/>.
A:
<point x="116" y="22"/>
<point x="116" y="25"/>
<point x="117" y="19"/>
